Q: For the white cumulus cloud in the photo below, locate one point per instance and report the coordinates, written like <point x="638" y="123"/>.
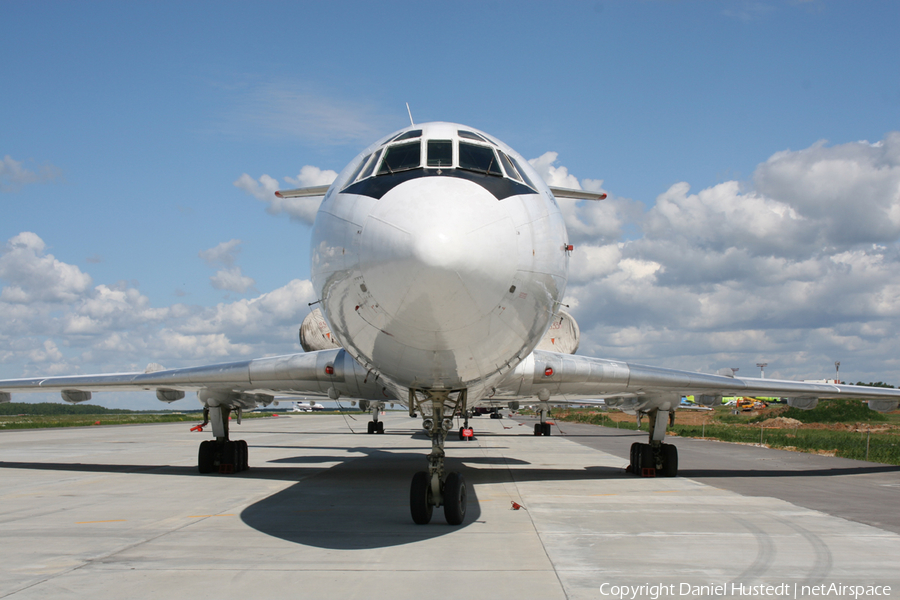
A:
<point x="35" y="276"/>
<point x="798" y="268"/>
<point x="57" y="322"/>
<point x="298" y="209"/>
<point x="229" y="278"/>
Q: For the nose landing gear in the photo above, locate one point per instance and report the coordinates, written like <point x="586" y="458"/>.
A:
<point x="433" y="488"/>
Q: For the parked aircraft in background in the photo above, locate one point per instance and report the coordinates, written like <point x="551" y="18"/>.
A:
<point x="440" y="260"/>
<point x="310" y="406"/>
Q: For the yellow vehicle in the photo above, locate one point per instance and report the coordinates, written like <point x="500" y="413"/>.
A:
<point x="746" y="404"/>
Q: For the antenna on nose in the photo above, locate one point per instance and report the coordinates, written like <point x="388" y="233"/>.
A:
<point x="410" y="114"/>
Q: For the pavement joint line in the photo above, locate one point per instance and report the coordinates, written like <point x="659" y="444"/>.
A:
<point x="515" y="484"/>
<point x="91" y="561"/>
<point x="107" y="521"/>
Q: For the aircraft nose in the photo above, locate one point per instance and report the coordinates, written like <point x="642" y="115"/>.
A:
<point x="438" y="253"/>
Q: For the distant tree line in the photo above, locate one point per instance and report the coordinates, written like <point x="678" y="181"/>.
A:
<point x="875" y="384"/>
<point x="53" y="408"/>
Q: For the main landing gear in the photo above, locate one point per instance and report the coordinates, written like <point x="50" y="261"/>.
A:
<point x="466" y="433"/>
<point x="432" y="488"/>
<point x="374" y="426"/>
<point x="655" y="459"/>
<point x="543" y="428"/>
<point x="221" y="455"/>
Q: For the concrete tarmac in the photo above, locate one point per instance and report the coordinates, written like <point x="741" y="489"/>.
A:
<point x="121" y="512"/>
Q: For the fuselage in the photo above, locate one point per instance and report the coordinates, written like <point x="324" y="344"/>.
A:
<point x="439" y="256"/>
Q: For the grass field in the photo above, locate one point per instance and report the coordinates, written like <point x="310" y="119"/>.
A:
<point x="21" y="415"/>
<point x="820" y="432"/>
<point x="84" y="420"/>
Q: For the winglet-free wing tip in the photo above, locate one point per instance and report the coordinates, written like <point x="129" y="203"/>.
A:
<point x="305" y="192"/>
<point x="577" y="194"/>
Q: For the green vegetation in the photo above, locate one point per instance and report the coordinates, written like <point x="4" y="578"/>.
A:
<point x="62" y="420"/>
<point x="828" y="411"/>
<point x="21" y="415"/>
<point x="882" y="447"/>
<point x="56" y="408"/>
<point x="836" y="411"/>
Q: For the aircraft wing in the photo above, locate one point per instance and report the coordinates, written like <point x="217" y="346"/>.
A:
<point x="555" y="377"/>
<point x="254" y="381"/>
<point x="307" y="192"/>
<point x="577" y="194"/>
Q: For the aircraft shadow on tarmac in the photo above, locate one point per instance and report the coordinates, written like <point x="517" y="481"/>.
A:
<point x="713" y="473"/>
<point x="363" y="502"/>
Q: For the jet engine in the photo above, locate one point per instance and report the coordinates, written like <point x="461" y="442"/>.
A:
<point x="708" y="400"/>
<point x="563" y="335"/>
<point x="883" y="406"/>
<point x="75" y="396"/>
<point x="315" y="334"/>
<point x="803" y="403"/>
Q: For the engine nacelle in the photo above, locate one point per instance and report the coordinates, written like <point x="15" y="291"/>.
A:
<point x="708" y="400"/>
<point x="315" y="334"/>
<point x="75" y="396"/>
<point x="803" y="403"/>
<point x="169" y="395"/>
<point x="627" y="405"/>
<point x="614" y="402"/>
<point x="563" y="335"/>
<point x="883" y="406"/>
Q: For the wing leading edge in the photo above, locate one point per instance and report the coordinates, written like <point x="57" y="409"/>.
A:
<point x="564" y="377"/>
<point x="323" y="373"/>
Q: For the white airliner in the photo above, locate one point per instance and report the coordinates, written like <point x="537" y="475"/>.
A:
<point x="440" y="259"/>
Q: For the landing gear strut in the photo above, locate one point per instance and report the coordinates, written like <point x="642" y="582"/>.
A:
<point x="543" y="428"/>
<point x="221" y="455"/>
<point x="433" y="488"/>
<point x="655" y="459"/>
<point x="466" y="429"/>
<point x="375" y="426"/>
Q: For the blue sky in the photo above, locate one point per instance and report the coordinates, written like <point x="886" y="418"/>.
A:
<point x="126" y="126"/>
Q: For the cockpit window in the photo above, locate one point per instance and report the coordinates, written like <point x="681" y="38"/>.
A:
<point x="371" y="166"/>
<point x="408" y="135"/>
<point x="508" y="166"/>
<point x="470" y="135"/>
<point x="401" y="157"/>
<point x="362" y="164"/>
<point x="478" y="158"/>
<point x="522" y="173"/>
<point x="440" y="153"/>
